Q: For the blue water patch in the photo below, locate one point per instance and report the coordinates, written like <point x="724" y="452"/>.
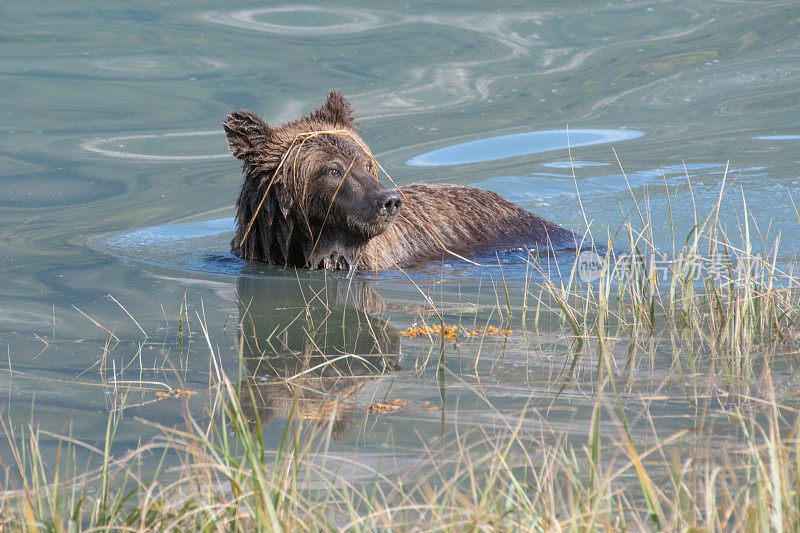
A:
<point x="750" y="171"/>
<point x="170" y="233"/>
<point x="188" y="246"/>
<point x="777" y="137"/>
<point x="573" y="164"/>
<point x="517" y="144"/>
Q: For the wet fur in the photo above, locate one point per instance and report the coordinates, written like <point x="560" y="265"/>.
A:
<point x="303" y="220"/>
<point x="466" y="220"/>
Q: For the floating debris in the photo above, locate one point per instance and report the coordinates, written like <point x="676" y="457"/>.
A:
<point x="175" y="393"/>
<point x="386" y="407"/>
<point x="394" y="405"/>
<point x="451" y="333"/>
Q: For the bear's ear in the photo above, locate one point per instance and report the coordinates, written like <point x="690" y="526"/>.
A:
<point x="336" y="110"/>
<point x="247" y="134"/>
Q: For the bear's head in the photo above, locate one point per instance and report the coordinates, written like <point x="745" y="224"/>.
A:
<point x="310" y="195"/>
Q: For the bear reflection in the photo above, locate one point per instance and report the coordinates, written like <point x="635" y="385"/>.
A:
<point x="293" y="333"/>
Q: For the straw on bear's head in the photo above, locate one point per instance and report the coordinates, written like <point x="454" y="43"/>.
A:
<point x="278" y="149"/>
<point x="253" y="141"/>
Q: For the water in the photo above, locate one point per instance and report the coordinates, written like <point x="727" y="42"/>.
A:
<point x="518" y="144"/>
<point x="115" y="182"/>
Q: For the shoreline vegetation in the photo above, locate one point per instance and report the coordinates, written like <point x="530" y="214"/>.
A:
<point x="735" y="466"/>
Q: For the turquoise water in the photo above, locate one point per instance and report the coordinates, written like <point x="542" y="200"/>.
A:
<point x="116" y="191"/>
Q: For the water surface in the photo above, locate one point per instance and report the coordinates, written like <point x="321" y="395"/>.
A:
<point x="116" y="192"/>
<point x="517" y="144"/>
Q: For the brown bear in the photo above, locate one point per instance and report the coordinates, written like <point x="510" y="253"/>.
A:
<point x="311" y="198"/>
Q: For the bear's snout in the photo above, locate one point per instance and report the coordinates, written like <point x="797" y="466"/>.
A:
<point x="389" y="203"/>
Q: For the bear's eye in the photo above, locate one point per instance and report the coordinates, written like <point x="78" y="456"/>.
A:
<point x="333" y="172"/>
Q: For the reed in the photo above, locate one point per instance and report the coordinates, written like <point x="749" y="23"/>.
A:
<point x="715" y="292"/>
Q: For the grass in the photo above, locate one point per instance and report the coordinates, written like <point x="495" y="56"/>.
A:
<point x="727" y="344"/>
<point x="714" y="292"/>
<point x="501" y="478"/>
